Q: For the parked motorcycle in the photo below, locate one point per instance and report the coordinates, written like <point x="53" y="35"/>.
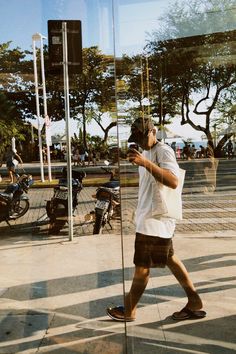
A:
<point x="107" y="202"/>
<point x="57" y="207"/>
<point x="14" y="203"/>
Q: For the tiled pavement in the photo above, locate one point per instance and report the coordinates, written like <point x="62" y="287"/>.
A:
<point x="202" y="212"/>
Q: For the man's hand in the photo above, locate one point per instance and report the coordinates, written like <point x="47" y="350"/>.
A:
<point x="135" y="157"/>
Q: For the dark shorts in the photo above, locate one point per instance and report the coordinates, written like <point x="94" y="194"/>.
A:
<point x="152" y="251"/>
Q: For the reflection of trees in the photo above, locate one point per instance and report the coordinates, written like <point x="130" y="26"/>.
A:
<point x="192" y="77"/>
<point x="145" y="81"/>
<point x="199" y="72"/>
<point x="15" y="102"/>
<point x="91" y="91"/>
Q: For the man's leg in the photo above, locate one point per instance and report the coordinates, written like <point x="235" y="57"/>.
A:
<point x="11" y="176"/>
<point x="180" y="272"/>
<point x="139" y="283"/>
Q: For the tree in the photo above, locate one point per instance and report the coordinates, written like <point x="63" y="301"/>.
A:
<point x="90" y="91"/>
<point x="199" y="70"/>
<point x="17" y="79"/>
<point x="10" y="126"/>
<point x="94" y="89"/>
<point x="143" y="88"/>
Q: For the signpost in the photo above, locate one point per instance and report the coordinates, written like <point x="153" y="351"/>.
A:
<point x="74" y="46"/>
<point x="65" y="56"/>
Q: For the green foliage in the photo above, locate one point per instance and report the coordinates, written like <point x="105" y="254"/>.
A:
<point x="196" y="17"/>
<point x="197" y="71"/>
<point x="94" y="88"/>
<point x="9" y="125"/>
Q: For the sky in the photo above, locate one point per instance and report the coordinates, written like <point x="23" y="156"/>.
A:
<point x="133" y="20"/>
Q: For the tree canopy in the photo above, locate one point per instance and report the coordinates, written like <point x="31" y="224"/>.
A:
<point x="197" y="71"/>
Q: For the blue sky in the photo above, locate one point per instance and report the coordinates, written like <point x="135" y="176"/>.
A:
<point x="20" y="19"/>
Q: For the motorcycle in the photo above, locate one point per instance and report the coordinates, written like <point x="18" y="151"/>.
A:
<point x="107" y="202"/>
<point x="57" y="207"/>
<point x="14" y="203"/>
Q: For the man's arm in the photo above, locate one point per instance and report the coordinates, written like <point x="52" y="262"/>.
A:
<point x="162" y="175"/>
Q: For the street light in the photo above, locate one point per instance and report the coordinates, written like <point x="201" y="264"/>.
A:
<point x="38" y="37"/>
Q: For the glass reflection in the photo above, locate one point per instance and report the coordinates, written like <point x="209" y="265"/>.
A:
<point x="173" y="62"/>
<point x="177" y="67"/>
<point x="65" y="286"/>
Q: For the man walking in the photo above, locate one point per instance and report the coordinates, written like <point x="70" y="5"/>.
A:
<point x="154" y="232"/>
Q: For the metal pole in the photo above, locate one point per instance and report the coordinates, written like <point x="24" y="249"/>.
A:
<point x="47" y="120"/>
<point x="148" y="88"/>
<point x="142" y="89"/>
<point x="35" y="37"/>
<point x="68" y="137"/>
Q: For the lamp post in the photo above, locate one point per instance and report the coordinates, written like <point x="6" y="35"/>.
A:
<point x="39" y="38"/>
<point x="148" y="85"/>
<point x="142" y="88"/>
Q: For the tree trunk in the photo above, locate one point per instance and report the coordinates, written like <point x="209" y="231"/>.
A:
<point x="219" y="148"/>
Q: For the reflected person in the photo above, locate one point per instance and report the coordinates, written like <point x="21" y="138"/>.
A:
<point x="12" y="159"/>
<point x="153" y="242"/>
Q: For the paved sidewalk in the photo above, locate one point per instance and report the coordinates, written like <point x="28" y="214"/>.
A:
<point x="54" y="292"/>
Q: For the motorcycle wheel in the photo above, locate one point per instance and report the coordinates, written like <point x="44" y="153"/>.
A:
<point x="97" y="229"/>
<point x="19" y="208"/>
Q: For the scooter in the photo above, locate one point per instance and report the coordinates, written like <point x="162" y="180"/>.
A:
<point x="14" y="203"/>
<point x="107" y="203"/>
<point x="57" y="207"/>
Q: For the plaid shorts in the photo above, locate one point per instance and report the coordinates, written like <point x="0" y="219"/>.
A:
<point x="152" y="251"/>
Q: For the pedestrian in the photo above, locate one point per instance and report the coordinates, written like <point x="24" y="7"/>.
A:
<point x="12" y="159"/>
<point x="82" y="154"/>
<point x="230" y="149"/>
<point x="173" y="145"/>
<point x="75" y="156"/>
<point x="154" y="233"/>
<point x="178" y="152"/>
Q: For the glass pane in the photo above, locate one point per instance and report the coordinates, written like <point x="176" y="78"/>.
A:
<point x="61" y="262"/>
<point x="176" y="65"/>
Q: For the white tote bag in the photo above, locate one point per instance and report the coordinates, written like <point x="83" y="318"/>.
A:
<point x="171" y="199"/>
<point x="168" y="201"/>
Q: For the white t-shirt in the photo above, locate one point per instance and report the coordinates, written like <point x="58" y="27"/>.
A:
<point x="146" y="223"/>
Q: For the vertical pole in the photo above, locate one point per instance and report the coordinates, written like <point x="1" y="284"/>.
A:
<point x="68" y="137"/>
<point x="38" y="111"/>
<point x="148" y="90"/>
<point x="45" y="108"/>
<point x="161" y="100"/>
<point x="142" y="90"/>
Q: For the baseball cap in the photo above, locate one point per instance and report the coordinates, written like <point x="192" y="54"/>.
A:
<point x="140" y="127"/>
